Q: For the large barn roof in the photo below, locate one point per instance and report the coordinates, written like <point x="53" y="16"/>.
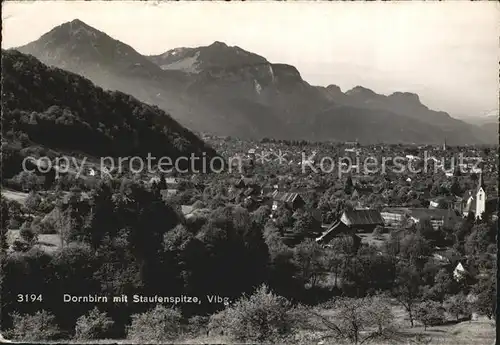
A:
<point x="363" y="217"/>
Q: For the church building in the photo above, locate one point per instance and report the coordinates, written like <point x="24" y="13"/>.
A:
<point x="475" y="201"/>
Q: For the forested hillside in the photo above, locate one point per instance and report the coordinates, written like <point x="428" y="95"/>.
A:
<point x="64" y="111"/>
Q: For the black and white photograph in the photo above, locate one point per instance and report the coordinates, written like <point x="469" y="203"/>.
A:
<point x="257" y="172"/>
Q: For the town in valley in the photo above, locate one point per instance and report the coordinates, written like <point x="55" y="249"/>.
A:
<point x="285" y="213"/>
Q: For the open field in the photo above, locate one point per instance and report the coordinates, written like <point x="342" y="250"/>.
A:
<point x="48" y="243"/>
<point x="368" y="238"/>
<point x="9" y="194"/>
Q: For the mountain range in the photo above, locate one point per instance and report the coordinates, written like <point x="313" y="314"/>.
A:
<point x="227" y="90"/>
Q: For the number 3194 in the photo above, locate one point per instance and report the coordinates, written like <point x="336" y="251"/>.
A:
<point x="29" y="298"/>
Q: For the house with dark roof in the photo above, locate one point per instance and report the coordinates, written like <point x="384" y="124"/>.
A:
<point x="394" y="217"/>
<point x="444" y="202"/>
<point x="362" y="220"/>
<point x="360" y="191"/>
<point x="438" y="217"/>
<point x="338" y="228"/>
<point x="291" y="200"/>
<point x="244" y="182"/>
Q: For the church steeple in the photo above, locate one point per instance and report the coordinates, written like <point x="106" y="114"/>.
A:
<point x="480" y="183"/>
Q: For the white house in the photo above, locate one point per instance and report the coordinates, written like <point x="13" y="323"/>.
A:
<point x="480" y="197"/>
<point x="459" y="272"/>
<point x="476" y="202"/>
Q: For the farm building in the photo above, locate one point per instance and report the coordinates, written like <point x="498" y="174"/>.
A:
<point x="362" y="220"/>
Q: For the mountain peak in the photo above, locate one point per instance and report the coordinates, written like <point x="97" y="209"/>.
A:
<point x="360" y="90"/>
<point x="406" y="96"/>
<point x="217" y="55"/>
<point x="333" y="87"/>
<point x="76" y="25"/>
<point x="219" y="44"/>
<point x="75" y="29"/>
<point x="75" y="44"/>
<point x="77" y="22"/>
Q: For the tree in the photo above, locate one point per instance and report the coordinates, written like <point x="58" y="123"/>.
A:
<point x="28" y="235"/>
<point x="156" y="325"/>
<point x="407" y="288"/>
<point x="102" y="219"/>
<point x="32" y="201"/>
<point x="444" y="284"/>
<point x="457" y="305"/>
<point x="305" y="225"/>
<point x="479" y="240"/>
<point x="429" y="313"/>
<point x="485" y="291"/>
<point x="332" y="262"/>
<point x="348" y="187"/>
<point x="261" y="317"/>
<point x="354" y="315"/>
<point x="40" y="326"/>
<point x="379" y="312"/>
<point x="308" y="259"/>
<point x="261" y="216"/>
<point x="93" y="325"/>
<point x="162" y="184"/>
<point x="414" y="248"/>
<point x="378" y="231"/>
<point x="281" y="268"/>
<point x="4" y="218"/>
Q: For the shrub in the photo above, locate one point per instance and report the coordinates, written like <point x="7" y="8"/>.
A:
<point x="378" y="231"/>
<point x="40" y="326"/>
<point x="159" y="324"/>
<point x="198" y="205"/>
<point x="430" y="313"/>
<point x="45" y="206"/>
<point x="20" y="246"/>
<point x="379" y="312"/>
<point x="46" y="228"/>
<point x="32" y="201"/>
<point x="198" y="325"/>
<point x="93" y="325"/>
<point x="262" y="316"/>
<point x="27" y="234"/>
<point x="14" y="223"/>
<point x="457" y="305"/>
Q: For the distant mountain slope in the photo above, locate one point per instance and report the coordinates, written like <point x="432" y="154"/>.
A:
<point x="216" y="55"/>
<point x="408" y="104"/>
<point x="62" y="110"/>
<point x="229" y="91"/>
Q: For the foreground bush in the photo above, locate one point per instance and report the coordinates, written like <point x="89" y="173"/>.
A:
<point x="430" y="313"/>
<point x="457" y="305"/>
<point x="157" y="325"/>
<point x="260" y="317"/>
<point x="40" y="326"/>
<point x="94" y="325"/>
<point x="197" y="325"/>
<point x="355" y="320"/>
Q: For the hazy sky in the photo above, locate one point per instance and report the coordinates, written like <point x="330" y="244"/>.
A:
<point x="447" y="52"/>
